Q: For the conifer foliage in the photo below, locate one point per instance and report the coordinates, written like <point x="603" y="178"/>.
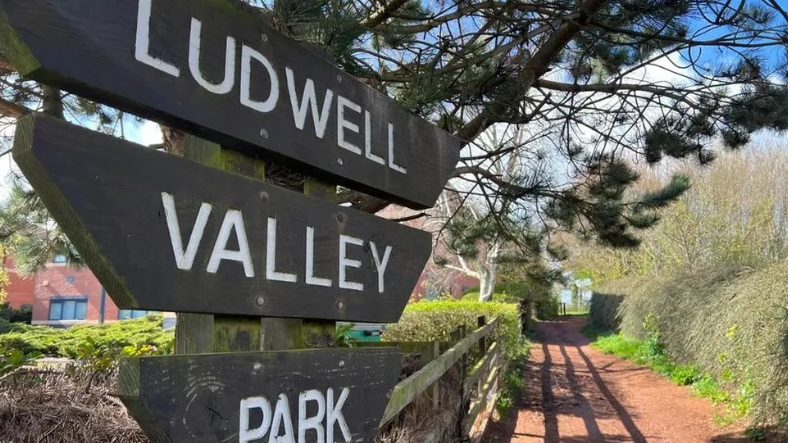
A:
<point x="595" y="83"/>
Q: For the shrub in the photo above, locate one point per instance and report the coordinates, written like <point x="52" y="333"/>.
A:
<point x="731" y="323"/>
<point x="435" y="321"/>
<point x="498" y="297"/>
<point x="503" y="293"/>
<point x="547" y="307"/>
<point x="6" y="326"/>
<point x="603" y="311"/>
<point x="24" y="315"/>
<point x="69" y="342"/>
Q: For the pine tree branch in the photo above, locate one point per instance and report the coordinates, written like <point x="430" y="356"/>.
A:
<point x="381" y="15"/>
<point x="13" y="110"/>
<point x="510" y="189"/>
<point x="534" y="68"/>
<point x="610" y="88"/>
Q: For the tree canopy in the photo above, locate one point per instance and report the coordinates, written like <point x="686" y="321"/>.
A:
<point x="580" y="89"/>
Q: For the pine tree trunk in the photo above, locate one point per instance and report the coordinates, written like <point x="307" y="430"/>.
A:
<point x="52" y="101"/>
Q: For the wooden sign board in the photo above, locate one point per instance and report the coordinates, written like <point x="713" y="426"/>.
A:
<point x="336" y="395"/>
<point x="165" y="233"/>
<point x="216" y="70"/>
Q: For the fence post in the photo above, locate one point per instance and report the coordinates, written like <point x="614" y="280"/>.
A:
<point x="480" y="322"/>
<point x="428" y="354"/>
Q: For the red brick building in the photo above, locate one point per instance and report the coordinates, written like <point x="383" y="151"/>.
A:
<point x="20" y="291"/>
<point x="61" y="295"/>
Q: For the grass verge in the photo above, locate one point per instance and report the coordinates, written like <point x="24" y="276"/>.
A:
<point x="650" y="353"/>
<point x="513" y="379"/>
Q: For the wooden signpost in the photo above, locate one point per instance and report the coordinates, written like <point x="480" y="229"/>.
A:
<point x="224" y="250"/>
<point x="166" y="233"/>
<point x="218" y="71"/>
<point x="336" y="395"/>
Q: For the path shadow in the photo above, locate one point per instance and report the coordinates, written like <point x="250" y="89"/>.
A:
<point x="539" y="395"/>
<point x="621" y="411"/>
<point x="569" y="336"/>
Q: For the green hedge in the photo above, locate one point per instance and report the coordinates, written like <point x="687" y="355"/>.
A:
<point x="67" y="342"/>
<point x="603" y="311"/>
<point x="731" y="323"/>
<point x="435" y="321"/>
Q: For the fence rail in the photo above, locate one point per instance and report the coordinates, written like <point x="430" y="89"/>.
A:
<point x="479" y="384"/>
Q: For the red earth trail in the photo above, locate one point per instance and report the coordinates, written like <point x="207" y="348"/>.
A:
<point x="575" y="394"/>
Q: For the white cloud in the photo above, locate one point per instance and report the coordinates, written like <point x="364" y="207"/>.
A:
<point x="149" y="133"/>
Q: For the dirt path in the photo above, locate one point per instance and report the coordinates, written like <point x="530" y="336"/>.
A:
<point x="576" y="394"/>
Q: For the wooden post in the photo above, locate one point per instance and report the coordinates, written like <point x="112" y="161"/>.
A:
<point x="200" y="333"/>
<point x="428" y="354"/>
<point x="463" y="404"/>
<point x="205" y="333"/>
<point x="319" y="333"/>
<point x="481" y="321"/>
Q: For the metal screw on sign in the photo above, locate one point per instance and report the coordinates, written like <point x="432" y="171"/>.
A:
<point x="263" y="133"/>
<point x="339" y="78"/>
<point x="341" y="363"/>
<point x="264" y="196"/>
<point x="260" y="300"/>
<point x="340" y="305"/>
<point x="264" y="38"/>
<point x="340" y="161"/>
<point x="340" y="218"/>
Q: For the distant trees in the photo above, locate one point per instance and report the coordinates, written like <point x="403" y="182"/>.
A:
<point x="736" y="213"/>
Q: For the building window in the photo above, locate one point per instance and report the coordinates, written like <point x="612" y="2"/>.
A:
<point x="125" y="314"/>
<point x="68" y="309"/>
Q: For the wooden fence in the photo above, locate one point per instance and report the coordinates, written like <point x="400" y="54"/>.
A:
<point x="478" y="381"/>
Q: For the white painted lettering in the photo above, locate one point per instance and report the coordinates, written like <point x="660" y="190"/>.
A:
<point x="281" y="417"/>
<point x="380" y="265"/>
<point x="184" y="260"/>
<point x="343" y="124"/>
<point x="334" y="415"/>
<point x="270" y="257"/>
<point x="315" y="422"/>
<point x="308" y="99"/>
<point x="368" y="140"/>
<point x="268" y="105"/>
<point x="311" y="279"/>
<point x="345" y="262"/>
<point x="233" y="221"/>
<point x="392" y="164"/>
<point x="142" y="44"/>
<point x="195" y="43"/>
<point x="245" y="433"/>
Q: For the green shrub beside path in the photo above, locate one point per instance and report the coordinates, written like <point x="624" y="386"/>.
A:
<point x="436" y="320"/>
<point x="68" y="342"/>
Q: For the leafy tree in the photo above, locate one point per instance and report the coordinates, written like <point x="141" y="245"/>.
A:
<point x="594" y="84"/>
<point x="736" y="214"/>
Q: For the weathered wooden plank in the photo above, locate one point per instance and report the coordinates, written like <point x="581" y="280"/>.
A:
<point x="135" y="216"/>
<point x="335" y="395"/>
<point x="204" y="333"/>
<point x="489" y="388"/>
<point x="218" y="71"/>
<point x="319" y="333"/>
<point x="482" y="367"/>
<point x="416" y="384"/>
<point x="482" y="407"/>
